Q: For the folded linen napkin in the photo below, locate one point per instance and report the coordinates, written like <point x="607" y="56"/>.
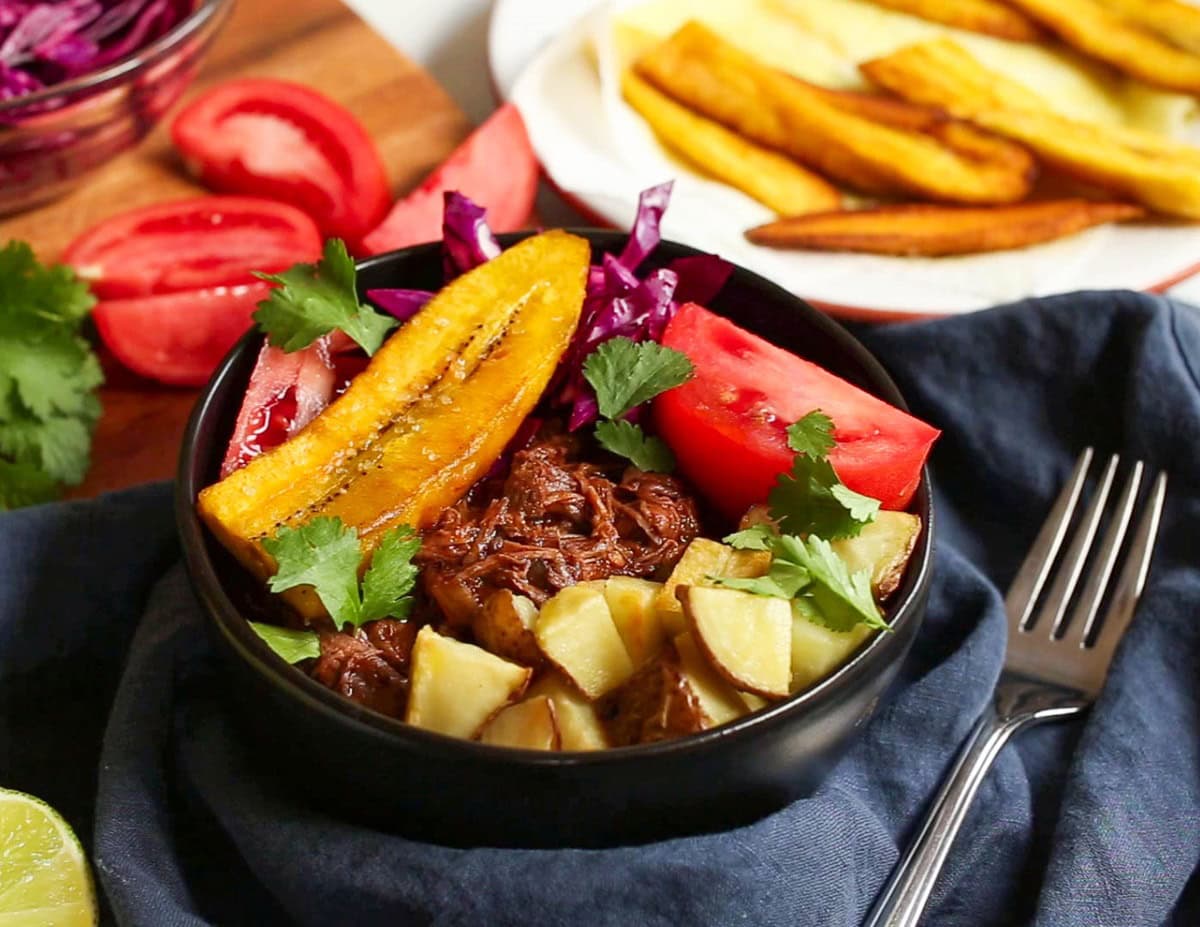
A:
<point x="111" y="708"/>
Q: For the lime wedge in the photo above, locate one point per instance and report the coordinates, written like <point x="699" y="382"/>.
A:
<point x="44" y="877"/>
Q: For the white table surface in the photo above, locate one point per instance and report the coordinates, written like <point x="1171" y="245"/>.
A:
<point x="449" y="39"/>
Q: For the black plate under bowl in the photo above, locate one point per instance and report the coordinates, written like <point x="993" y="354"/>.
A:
<point x="364" y="765"/>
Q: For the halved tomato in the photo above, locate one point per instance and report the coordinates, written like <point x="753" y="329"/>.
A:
<point x="206" y="241"/>
<point x="177" y="338"/>
<point x="728" y="424"/>
<point x="285" y="141"/>
<point x="495" y="167"/>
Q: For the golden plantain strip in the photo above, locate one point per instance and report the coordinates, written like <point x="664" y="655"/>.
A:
<point x="709" y="75"/>
<point x="1155" y="171"/>
<point x="986" y="16"/>
<point x="920" y="229"/>
<point x="1101" y="34"/>
<point x="942" y="73"/>
<point x="1171" y="20"/>
<point x="774" y="180"/>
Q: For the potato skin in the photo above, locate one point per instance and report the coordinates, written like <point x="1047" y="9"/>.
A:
<point x="500" y="627"/>
<point x="657" y="703"/>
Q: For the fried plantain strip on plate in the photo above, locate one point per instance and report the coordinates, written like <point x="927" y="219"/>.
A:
<point x="707" y="74"/>
<point x="775" y="180"/>
<point x="1158" y="172"/>
<point x="927" y="230"/>
<point x="1106" y="36"/>
<point x="1171" y="20"/>
<point x="986" y="16"/>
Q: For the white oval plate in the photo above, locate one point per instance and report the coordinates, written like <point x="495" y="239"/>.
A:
<point x="599" y="154"/>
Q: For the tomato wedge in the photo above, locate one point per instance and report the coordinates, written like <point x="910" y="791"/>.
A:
<point x="728" y="424"/>
<point x="285" y="141"/>
<point x="206" y="241"/>
<point x="177" y="338"/>
<point x="495" y="167"/>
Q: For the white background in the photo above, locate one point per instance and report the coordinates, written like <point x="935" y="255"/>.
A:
<point x="449" y="39"/>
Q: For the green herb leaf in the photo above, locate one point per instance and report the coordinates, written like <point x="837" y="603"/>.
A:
<point x="626" y="439"/>
<point x="756" y="537"/>
<point x="812" y="435"/>
<point x="290" y="644"/>
<point x="812" y="500"/>
<point x="390" y="578"/>
<point x="48" y="377"/>
<point x="325" y="554"/>
<point x="840" y="599"/>
<point x="626" y="373"/>
<point x="314" y="299"/>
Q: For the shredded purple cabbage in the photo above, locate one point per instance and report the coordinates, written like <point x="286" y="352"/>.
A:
<point x="403" y="304"/>
<point x="44" y="42"/>
<point x="467" y="240"/>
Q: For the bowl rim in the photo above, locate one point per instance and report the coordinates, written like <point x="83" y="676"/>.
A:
<point x="122" y="67"/>
<point x="235" y="628"/>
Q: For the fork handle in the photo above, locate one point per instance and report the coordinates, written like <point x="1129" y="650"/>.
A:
<point x="1017" y="705"/>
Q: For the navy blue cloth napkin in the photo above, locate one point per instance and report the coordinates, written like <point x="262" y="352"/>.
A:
<point x="110" y="700"/>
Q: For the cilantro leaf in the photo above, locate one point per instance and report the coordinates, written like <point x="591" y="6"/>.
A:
<point x="390" y="578"/>
<point x="812" y="435"/>
<point x="812" y="500"/>
<point x="840" y="599"/>
<point x="756" y="537"/>
<point x="325" y="554"/>
<point x="48" y="375"/>
<point x="314" y="299"/>
<point x="290" y="644"/>
<point x="626" y="439"/>
<point x="626" y="373"/>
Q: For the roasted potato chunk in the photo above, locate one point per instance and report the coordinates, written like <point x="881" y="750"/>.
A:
<point x="747" y="638"/>
<point x="575" y="631"/>
<point x="884" y="547"/>
<point x="456" y="688"/>
<point x="702" y="559"/>
<point x="631" y="602"/>
<point x="505" y="627"/>
<point x="527" y="725"/>
<point x="579" y="726"/>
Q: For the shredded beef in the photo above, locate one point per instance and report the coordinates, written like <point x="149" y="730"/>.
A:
<point x="370" y="666"/>
<point x="554" y="521"/>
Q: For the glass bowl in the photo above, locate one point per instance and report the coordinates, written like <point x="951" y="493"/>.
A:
<point x="51" y="139"/>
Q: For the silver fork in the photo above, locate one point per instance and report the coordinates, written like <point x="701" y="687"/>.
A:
<point x="1056" y="662"/>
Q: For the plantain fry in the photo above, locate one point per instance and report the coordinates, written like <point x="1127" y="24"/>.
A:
<point x="1158" y="172"/>
<point x="1171" y="20"/>
<point x="769" y="177"/>
<point x="986" y="16"/>
<point x="1104" y="35"/>
<point x="941" y="73"/>
<point x="707" y="74"/>
<point x="921" y="229"/>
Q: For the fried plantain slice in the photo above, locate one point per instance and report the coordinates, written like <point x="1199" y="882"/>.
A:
<point x="920" y="229"/>
<point x="1171" y="20"/>
<point x="707" y="74"/>
<point x="986" y="16"/>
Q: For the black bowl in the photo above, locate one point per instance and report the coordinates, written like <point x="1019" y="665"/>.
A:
<point x="357" y="763"/>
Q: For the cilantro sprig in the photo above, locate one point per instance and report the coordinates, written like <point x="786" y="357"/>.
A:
<point x="48" y="378"/>
<point x="312" y="300"/>
<point x="324" y="553"/>
<point x="811" y="499"/>
<point x="809" y="507"/>
<point x="624" y="375"/>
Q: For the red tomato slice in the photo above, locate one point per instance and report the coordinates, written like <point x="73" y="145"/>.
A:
<point x="285" y="141"/>
<point x="285" y="393"/>
<point x="495" y="167"/>
<point x="728" y="425"/>
<point x="178" y="338"/>
<point x="191" y="244"/>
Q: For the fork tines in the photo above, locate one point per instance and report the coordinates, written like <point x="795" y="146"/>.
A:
<point x="1081" y="624"/>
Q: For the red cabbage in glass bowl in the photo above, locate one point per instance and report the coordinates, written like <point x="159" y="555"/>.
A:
<point x="83" y="80"/>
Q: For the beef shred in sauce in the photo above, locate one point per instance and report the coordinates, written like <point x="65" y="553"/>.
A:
<point x="553" y="521"/>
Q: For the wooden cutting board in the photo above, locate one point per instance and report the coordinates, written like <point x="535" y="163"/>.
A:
<point x="317" y="42"/>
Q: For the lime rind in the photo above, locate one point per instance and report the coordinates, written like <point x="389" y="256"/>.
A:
<point x="44" y="874"/>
